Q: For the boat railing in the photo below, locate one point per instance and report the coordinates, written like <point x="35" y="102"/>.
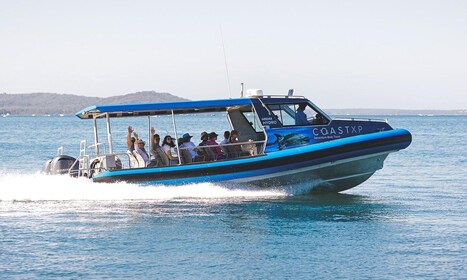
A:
<point x="361" y="119"/>
<point x="278" y="95"/>
<point x="128" y="160"/>
<point x="102" y="162"/>
<point x="229" y="151"/>
<point x="248" y="148"/>
<point x="98" y="145"/>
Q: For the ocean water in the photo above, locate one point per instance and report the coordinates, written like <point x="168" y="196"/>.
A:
<point x="408" y="221"/>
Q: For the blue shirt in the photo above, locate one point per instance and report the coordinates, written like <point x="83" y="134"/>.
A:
<point x="300" y="118"/>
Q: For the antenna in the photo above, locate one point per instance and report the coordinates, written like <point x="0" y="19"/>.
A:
<point x="225" y="61"/>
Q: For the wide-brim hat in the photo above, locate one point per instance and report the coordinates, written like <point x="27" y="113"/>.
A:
<point x="186" y="135"/>
<point x="212" y="135"/>
<point x="141" y="141"/>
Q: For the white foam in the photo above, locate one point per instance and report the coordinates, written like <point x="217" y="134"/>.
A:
<point x="39" y="187"/>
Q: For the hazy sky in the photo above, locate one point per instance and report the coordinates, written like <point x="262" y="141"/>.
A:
<point x="340" y="54"/>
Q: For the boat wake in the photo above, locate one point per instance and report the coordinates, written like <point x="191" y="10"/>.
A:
<point x="39" y="187"/>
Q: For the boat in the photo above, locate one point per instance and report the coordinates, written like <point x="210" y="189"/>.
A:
<point x="323" y="154"/>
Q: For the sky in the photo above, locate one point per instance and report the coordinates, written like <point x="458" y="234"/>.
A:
<point x="339" y="54"/>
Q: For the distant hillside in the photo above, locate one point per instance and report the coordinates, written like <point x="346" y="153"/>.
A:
<point x="53" y="103"/>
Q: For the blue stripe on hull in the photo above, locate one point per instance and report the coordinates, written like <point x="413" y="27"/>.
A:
<point x="263" y="171"/>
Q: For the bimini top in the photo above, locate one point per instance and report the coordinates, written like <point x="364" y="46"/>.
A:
<point x="180" y="107"/>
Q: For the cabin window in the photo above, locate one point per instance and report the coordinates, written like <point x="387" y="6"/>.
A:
<point x="288" y="114"/>
<point x="253" y="120"/>
<point x="284" y="113"/>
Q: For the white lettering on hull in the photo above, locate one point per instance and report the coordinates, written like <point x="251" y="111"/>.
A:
<point x="336" y="132"/>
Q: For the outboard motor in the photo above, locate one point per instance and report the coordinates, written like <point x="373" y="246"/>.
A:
<point x="62" y="164"/>
<point x="46" y="168"/>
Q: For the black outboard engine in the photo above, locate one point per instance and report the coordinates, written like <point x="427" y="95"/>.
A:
<point x="61" y="164"/>
<point x="46" y="168"/>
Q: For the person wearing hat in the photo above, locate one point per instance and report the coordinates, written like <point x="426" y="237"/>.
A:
<point x="142" y="151"/>
<point x="204" y="138"/>
<point x="214" y="145"/>
<point x="187" y="136"/>
<point x="189" y="146"/>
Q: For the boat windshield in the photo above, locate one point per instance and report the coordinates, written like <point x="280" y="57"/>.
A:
<point x="293" y="114"/>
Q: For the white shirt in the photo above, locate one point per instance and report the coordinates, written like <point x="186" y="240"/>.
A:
<point x="166" y="149"/>
<point x="144" y="155"/>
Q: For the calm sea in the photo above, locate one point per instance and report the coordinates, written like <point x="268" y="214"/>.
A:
<point x="408" y="221"/>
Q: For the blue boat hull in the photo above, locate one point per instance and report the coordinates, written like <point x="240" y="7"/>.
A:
<point x="333" y="166"/>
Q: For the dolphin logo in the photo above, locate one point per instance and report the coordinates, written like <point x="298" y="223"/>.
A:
<point x="290" y="140"/>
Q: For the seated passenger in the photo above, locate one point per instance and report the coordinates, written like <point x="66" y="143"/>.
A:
<point x="214" y="146"/>
<point x="236" y="148"/>
<point x="204" y="138"/>
<point x="224" y="144"/>
<point x="140" y="149"/>
<point x="226" y="138"/>
<point x="233" y="136"/>
<point x="191" y="148"/>
<point x="319" y="119"/>
<point x="250" y="148"/>
<point x="130" y="140"/>
<point x="179" y="141"/>
<point x="167" y="145"/>
<point x="234" y="140"/>
<point x="155" y="139"/>
<point x="207" y="152"/>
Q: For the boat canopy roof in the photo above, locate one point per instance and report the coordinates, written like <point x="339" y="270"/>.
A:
<point x="180" y="107"/>
<point x="145" y="109"/>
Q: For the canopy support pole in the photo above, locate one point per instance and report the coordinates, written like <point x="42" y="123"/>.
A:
<point x="109" y="134"/>
<point x="176" y="138"/>
<point x="96" y="138"/>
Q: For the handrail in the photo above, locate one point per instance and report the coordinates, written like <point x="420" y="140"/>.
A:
<point x="276" y="95"/>
<point x="125" y="164"/>
<point x="246" y="147"/>
<point x="360" y="119"/>
<point x="230" y="144"/>
<point x="70" y="170"/>
<point x="98" y="145"/>
<point x="238" y="143"/>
